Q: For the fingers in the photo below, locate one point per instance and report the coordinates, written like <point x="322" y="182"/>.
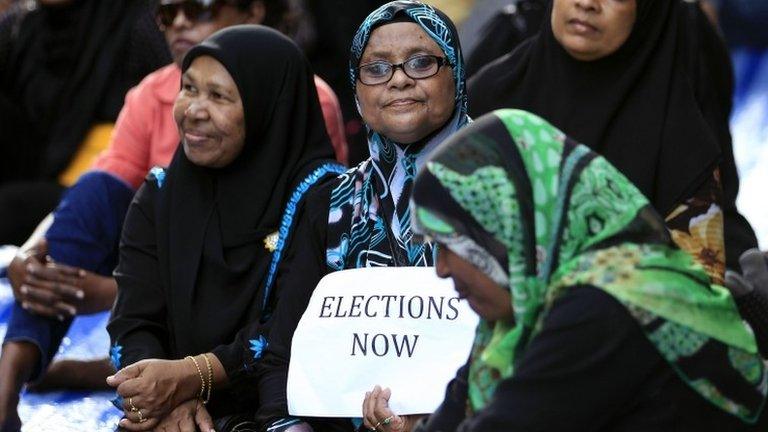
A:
<point x="203" y="419"/>
<point x="66" y="271"/>
<point x="370" y="408"/>
<point x="132" y="388"/>
<point x="49" y="276"/>
<point x="44" y="292"/>
<point x="134" y="422"/>
<point x="55" y="311"/>
<point x="125" y="374"/>
<point x="187" y="424"/>
<point x="382" y="413"/>
<point x="46" y="299"/>
<point x="366" y="413"/>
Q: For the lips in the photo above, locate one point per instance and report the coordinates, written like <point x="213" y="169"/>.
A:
<point x="582" y="27"/>
<point x="194" y="137"/>
<point x="401" y="102"/>
<point x="182" y="44"/>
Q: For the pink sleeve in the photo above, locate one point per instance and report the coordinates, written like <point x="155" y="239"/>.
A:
<point x="127" y="156"/>
<point x="334" y="121"/>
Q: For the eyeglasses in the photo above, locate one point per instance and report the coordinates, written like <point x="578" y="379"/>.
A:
<point x="194" y="10"/>
<point x="417" y="67"/>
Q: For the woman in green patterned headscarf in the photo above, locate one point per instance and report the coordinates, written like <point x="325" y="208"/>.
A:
<point x="592" y="320"/>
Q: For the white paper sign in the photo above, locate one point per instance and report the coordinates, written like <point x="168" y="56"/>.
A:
<point x="399" y="327"/>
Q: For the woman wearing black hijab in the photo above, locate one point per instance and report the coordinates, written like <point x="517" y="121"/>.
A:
<point x="65" y="67"/>
<point x="656" y="105"/>
<point x="202" y="240"/>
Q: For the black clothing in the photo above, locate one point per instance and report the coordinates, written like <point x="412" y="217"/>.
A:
<point x="25" y="204"/>
<point x="300" y="272"/>
<point x="64" y="69"/>
<point x="657" y="108"/>
<point x="193" y="265"/>
<point x="335" y="23"/>
<point x="507" y="29"/>
<point x="590" y="368"/>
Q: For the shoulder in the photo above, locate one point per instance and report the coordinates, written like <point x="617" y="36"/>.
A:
<point x="591" y="319"/>
<point x="586" y="304"/>
<point x="325" y="93"/>
<point x="489" y="88"/>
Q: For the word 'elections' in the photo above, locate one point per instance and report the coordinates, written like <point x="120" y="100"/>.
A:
<point x="390" y="306"/>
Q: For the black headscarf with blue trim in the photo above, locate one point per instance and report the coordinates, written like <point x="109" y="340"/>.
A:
<point x="369" y="220"/>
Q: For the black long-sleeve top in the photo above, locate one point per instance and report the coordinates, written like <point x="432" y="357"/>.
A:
<point x="300" y="271"/>
<point x="143" y="323"/>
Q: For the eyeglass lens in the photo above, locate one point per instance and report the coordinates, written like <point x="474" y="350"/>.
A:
<point x="193" y="11"/>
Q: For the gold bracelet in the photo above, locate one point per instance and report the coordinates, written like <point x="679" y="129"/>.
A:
<point x="199" y="373"/>
<point x="210" y="378"/>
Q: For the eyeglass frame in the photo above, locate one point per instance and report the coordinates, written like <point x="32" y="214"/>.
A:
<point x="441" y="61"/>
<point x="209" y="10"/>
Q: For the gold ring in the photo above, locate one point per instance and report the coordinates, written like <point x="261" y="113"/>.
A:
<point x="130" y="402"/>
<point x="141" y="417"/>
<point x="377" y="426"/>
<point x="387" y="420"/>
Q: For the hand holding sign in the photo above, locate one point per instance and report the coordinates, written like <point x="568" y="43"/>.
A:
<point x="402" y="326"/>
<point x="377" y="414"/>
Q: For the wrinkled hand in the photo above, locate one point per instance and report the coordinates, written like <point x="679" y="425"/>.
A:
<point x="189" y="416"/>
<point x="155" y="387"/>
<point x="55" y="290"/>
<point x="378" y="416"/>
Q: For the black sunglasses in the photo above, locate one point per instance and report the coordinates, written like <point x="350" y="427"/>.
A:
<point x="194" y="10"/>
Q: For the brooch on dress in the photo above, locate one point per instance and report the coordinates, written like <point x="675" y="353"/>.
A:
<point x="270" y="241"/>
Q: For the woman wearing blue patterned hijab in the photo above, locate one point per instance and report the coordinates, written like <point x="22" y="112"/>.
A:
<point x="369" y="223"/>
<point x="407" y="73"/>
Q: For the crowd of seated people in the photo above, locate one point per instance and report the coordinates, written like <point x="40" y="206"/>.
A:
<point x="579" y="191"/>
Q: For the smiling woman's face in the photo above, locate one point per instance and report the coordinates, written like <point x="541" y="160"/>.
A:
<point x="592" y="29"/>
<point x="404" y="109"/>
<point x="491" y="301"/>
<point x="209" y="114"/>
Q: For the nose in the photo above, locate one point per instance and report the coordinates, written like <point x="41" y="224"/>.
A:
<point x="181" y="20"/>
<point x="588" y="5"/>
<point x="196" y="110"/>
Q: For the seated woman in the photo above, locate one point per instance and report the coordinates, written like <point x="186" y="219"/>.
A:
<point x="591" y="318"/>
<point x="65" y="269"/>
<point x="647" y="84"/>
<point x="202" y="240"/>
<point x="408" y="75"/>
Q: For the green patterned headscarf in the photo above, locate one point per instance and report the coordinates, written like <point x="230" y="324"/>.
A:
<point x="539" y="213"/>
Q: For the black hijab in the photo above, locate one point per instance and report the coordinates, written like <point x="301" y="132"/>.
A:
<point x="641" y="107"/>
<point x="65" y="68"/>
<point x="212" y="222"/>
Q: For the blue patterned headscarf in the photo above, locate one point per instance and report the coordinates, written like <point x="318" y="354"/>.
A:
<point x="369" y="219"/>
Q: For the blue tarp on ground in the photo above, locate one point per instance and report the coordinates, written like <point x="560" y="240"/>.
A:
<point x="68" y="411"/>
<point x="87" y="339"/>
